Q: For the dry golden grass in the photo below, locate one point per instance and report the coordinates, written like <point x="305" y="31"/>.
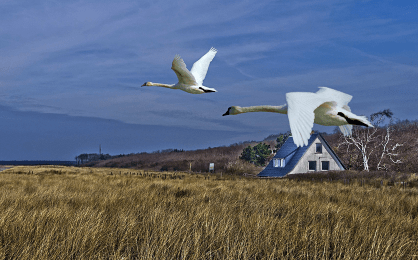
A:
<point x="84" y="213"/>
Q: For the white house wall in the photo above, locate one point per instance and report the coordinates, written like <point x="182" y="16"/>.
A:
<point x="310" y="155"/>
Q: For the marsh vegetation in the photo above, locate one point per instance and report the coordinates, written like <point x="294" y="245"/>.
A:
<point x="108" y="213"/>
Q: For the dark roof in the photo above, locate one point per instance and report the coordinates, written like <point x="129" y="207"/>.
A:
<point x="292" y="155"/>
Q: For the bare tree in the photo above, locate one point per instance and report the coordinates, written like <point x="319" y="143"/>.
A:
<point x="374" y="142"/>
<point x="388" y="147"/>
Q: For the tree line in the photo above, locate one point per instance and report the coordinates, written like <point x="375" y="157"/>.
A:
<point x="392" y="145"/>
<point x="261" y="153"/>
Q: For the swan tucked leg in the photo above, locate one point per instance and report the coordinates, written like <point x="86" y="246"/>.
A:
<point x="355" y="120"/>
<point x="207" y="90"/>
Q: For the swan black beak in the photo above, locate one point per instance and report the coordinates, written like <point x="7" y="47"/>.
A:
<point x="144" y="84"/>
<point x="227" y="112"/>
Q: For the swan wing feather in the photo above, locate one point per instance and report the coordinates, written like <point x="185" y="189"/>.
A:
<point x="301" y="106"/>
<point x="183" y="74"/>
<point x="200" y="67"/>
<point x="329" y="94"/>
<point x="346" y="129"/>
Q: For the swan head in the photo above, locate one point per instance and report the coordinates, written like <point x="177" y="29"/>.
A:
<point x="234" y="110"/>
<point x="148" y="84"/>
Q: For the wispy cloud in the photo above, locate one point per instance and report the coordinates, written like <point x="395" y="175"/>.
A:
<point x="88" y="58"/>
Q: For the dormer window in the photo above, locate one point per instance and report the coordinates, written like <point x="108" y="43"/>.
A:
<point x="278" y="162"/>
<point x="318" y="148"/>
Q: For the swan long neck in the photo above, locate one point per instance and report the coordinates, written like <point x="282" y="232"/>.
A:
<point x="275" y="109"/>
<point x="162" y="85"/>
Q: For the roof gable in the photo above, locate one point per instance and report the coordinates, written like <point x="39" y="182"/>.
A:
<point x="331" y="152"/>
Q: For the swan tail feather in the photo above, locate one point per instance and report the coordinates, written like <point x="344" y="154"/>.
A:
<point x="346" y="129"/>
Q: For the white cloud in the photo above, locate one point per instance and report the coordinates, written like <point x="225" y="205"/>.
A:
<point x="79" y="59"/>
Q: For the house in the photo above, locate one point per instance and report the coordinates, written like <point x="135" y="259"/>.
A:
<point x="315" y="157"/>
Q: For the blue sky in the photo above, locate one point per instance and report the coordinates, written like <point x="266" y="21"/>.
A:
<point x="70" y="73"/>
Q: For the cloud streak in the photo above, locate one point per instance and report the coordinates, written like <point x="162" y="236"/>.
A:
<point x="89" y="58"/>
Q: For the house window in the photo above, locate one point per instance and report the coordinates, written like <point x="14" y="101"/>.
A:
<point x="312" y="165"/>
<point x="325" y="165"/>
<point x="278" y="162"/>
<point x="319" y="148"/>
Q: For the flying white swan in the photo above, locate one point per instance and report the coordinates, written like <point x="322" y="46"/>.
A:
<point x="327" y="107"/>
<point x="190" y="81"/>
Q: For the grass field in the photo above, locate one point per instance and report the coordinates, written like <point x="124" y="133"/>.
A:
<point x="86" y="213"/>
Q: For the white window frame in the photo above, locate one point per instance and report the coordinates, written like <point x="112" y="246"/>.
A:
<point x="316" y="147"/>
<point x="278" y="162"/>
<point x="315" y="166"/>
<point x="322" y="165"/>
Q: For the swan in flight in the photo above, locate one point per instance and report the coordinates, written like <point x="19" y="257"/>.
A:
<point x="327" y="107"/>
<point x="190" y="81"/>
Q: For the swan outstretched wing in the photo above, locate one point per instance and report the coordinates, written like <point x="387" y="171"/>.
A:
<point x="329" y="94"/>
<point x="200" y="67"/>
<point x="301" y="106"/>
<point x="342" y="100"/>
<point x="183" y="74"/>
